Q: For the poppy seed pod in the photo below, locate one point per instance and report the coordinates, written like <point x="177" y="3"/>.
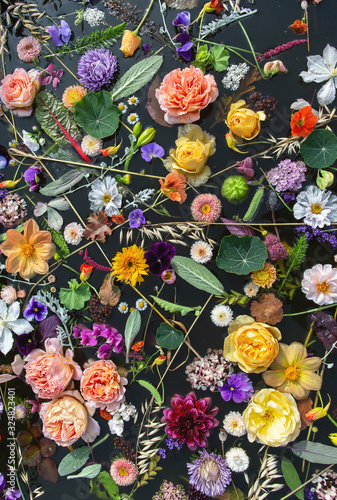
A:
<point x="130" y="43"/>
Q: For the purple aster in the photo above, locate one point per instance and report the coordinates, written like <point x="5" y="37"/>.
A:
<point x="104" y="351"/>
<point x="209" y="474"/>
<point x="159" y="257"/>
<point x="152" y="150"/>
<point x="136" y="218"/>
<point x="60" y="35"/>
<point x="12" y="494"/>
<point x="237" y="386"/>
<point x="182" y="20"/>
<point x="96" y="68"/>
<point x="35" y="310"/>
<point x="2" y="483"/>
<point x="26" y="343"/>
<point x="33" y="176"/>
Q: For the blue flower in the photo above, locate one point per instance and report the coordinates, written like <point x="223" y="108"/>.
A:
<point x="136" y="218"/>
<point x="152" y="150"/>
<point x="237" y="386"/>
<point x="182" y="20"/>
<point x="60" y="35"/>
<point x="35" y="310"/>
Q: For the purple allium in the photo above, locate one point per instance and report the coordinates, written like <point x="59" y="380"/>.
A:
<point x="209" y="474"/>
<point x="35" y="310"/>
<point x="288" y="175"/>
<point x="60" y="35"/>
<point x="33" y="176"/>
<point x="207" y="372"/>
<point x="159" y="257"/>
<point x="2" y="483"/>
<point x="152" y="150"/>
<point x="237" y="386"/>
<point x="245" y="167"/>
<point x="26" y="343"/>
<point x="136" y="218"/>
<point x="275" y="248"/>
<point x="96" y="68"/>
<point x="182" y="20"/>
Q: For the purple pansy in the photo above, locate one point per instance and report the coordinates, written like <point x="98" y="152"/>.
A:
<point x="136" y="218"/>
<point x="60" y="35"/>
<point x="26" y="343"/>
<point x="159" y="257"/>
<point x="151" y="150"/>
<point x="182" y="20"/>
<point x="237" y="386"/>
<point x="35" y="310"/>
<point x="33" y="176"/>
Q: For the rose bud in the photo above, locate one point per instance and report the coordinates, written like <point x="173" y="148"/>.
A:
<point x="130" y="43"/>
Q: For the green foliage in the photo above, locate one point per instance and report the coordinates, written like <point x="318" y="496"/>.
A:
<point x="88" y="472"/>
<point x="58" y="239"/>
<point x="254" y="205"/>
<point x="296" y="255"/>
<point x="319" y="150"/>
<point x="151" y="473"/>
<point x="169" y="337"/>
<point x="74" y="461"/>
<point x="103" y="486"/>
<point x="221" y="57"/>
<point x="132" y="328"/>
<point x="175" y="308"/>
<point x="291" y="477"/>
<point x="97" y="115"/>
<point x="241" y="255"/>
<point x="63" y="184"/>
<point x="197" y="275"/>
<point x="152" y="389"/>
<point x="316" y="453"/>
<point x="76" y="296"/>
<point x="234" y="298"/>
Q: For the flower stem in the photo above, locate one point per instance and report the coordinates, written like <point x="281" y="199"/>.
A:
<point x="143" y="20"/>
<point x="251" y="48"/>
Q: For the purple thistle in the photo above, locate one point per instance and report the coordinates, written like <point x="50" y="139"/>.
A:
<point x="209" y="474"/>
<point x="237" y="386"/>
<point x="151" y="150"/>
<point x="136" y="218"/>
<point x="96" y="68"/>
<point x="60" y="35"/>
<point x="281" y="48"/>
<point x="159" y="257"/>
<point x="35" y="310"/>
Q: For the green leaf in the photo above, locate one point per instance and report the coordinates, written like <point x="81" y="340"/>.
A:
<point x="319" y="150"/>
<point x="197" y="275"/>
<point x="169" y="337"/>
<point x="152" y="389"/>
<point x="221" y="57"/>
<point x="46" y="105"/>
<point x="103" y="486"/>
<point x="74" y="461"/>
<point x="89" y="472"/>
<point x="63" y="184"/>
<point x="316" y="453"/>
<point x="76" y="296"/>
<point x="97" y="115"/>
<point x="254" y="205"/>
<point x="241" y="255"/>
<point x="132" y="328"/>
<point x="175" y="308"/>
<point x="291" y="477"/>
<point x="136" y="77"/>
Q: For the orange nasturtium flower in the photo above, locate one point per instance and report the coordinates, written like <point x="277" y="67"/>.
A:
<point x="174" y="186"/>
<point x="137" y="346"/>
<point x="299" y="27"/>
<point x="27" y="253"/>
<point x="303" y="122"/>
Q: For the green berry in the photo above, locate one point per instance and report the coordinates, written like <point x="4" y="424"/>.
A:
<point x="235" y="189"/>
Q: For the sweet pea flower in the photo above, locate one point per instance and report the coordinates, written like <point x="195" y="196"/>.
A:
<point x="60" y="35"/>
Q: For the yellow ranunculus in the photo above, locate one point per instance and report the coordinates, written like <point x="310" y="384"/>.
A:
<point x="272" y="417"/>
<point x="252" y="345"/>
<point x="242" y="122"/>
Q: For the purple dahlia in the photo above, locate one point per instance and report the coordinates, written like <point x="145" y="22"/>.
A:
<point x="209" y="474"/>
<point x="190" y="420"/>
<point x="96" y="69"/>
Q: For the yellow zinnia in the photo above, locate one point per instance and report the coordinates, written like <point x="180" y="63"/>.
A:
<point x="129" y="265"/>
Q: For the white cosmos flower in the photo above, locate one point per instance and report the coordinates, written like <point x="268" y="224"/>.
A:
<point x="9" y="322"/>
<point x="104" y="195"/>
<point x="317" y="207"/>
<point x="323" y="69"/>
<point x="320" y="284"/>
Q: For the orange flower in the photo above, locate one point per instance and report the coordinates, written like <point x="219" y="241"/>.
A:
<point x="174" y="186"/>
<point x="137" y="346"/>
<point x="118" y="219"/>
<point x="299" y="27"/>
<point x="130" y="43"/>
<point x="72" y="95"/>
<point x="27" y="253"/>
<point x="303" y="122"/>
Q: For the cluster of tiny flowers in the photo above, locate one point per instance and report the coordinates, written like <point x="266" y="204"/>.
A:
<point x="288" y="175"/>
<point x="275" y="248"/>
<point x="234" y="75"/>
<point x="207" y="372"/>
<point x="278" y="50"/>
<point x="168" y="491"/>
<point x="12" y="210"/>
<point x="93" y="16"/>
<point x="173" y="443"/>
<point x="326" y="486"/>
<point x="312" y="233"/>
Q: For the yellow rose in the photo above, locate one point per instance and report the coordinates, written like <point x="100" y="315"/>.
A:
<point x="243" y="123"/>
<point x="272" y="417"/>
<point x="193" y="148"/>
<point x="252" y="345"/>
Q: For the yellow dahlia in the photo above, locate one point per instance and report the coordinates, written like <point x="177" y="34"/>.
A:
<point x="265" y="277"/>
<point x="129" y="265"/>
<point x="72" y="95"/>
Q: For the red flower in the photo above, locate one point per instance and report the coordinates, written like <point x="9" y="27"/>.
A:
<point x="190" y="420"/>
<point x="303" y="122"/>
<point x="214" y="5"/>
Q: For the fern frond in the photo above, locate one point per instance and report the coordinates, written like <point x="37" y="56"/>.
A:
<point x="297" y="255"/>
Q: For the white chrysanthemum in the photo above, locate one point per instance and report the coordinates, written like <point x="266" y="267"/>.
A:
<point x="201" y="252"/>
<point x="8" y="294"/>
<point x="123" y="307"/>
<point x="237" y="459"/>
<point x="133" y="100"/>
<point x="104" y="195"/>
<point x="91" y="146"/>
<point x="320" y="284"/>
<point x="221" y="315"/>
<point x="133" y="118"/>
<point x="317" y="207"/>
<point x="73" y="233"/>
<point x="234" y="425"/>
<point x="141" y="305"/>
<point x="251" y="290"/>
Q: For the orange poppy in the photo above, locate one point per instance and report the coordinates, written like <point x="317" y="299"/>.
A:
<point x="174" y="186"/>
<point x="137" y="346"/>
<point x="299" y="27"/>
<point x="303" y="122"/>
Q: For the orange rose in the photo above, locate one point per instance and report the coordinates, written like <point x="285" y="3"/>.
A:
<point x="184" y="93"/>
<point x="66" y="419"/>
<point x="102" y="386"/>
<point x="19" y="89"/>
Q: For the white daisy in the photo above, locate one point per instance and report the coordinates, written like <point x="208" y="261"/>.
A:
<point x="133" y="100"/>
<point x="9" y="322"/>
<point x="122" y="107"/>
<point x="317" y="207"/>
<point x="123" y="307"/>
<point x="91" y="146"/>
<point x="237" y="459"/>
<point x="141" y="305"/>
<point x="133" y="118"/>
<point x="73" y="233"/>
<point x="221" y="315"/>
<point x="104" y="195"/>
<point x="201" y="252"/>
<point x="320" y="284"/>
<point x="234" y="425"/>
<point x="250" y="289"/>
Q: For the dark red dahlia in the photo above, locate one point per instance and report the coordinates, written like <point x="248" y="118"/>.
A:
<point x="190" y="420"/>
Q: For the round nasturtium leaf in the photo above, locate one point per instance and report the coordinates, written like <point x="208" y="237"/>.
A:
<point x="319" y="150"/>
<point x="169" y="337"/>
<point x="96" y="114"/>
<point x="241" y="255"/>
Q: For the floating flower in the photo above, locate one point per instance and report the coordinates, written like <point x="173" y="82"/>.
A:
<point x="268" y="309"/>
<point x="26" y="343"/>
<point x="123" y="307"/>
<point x="237" y="459"/>
<point x="141" y="305"/>
<point x="130" y="265"/>
<point x="320" y="284"/>
<point x="251" y="290"/>
<point x="28" y="49"/>
<point x="133" y="100"/>
<point x="237" y="386"/>
<point x="206" y="208"/>
<point x="91" y="146"/>
<point x="303" y="122"/>
<point x="318" y="208"/>
<point x="136" y="218"/>
<point x="104" y="195"/>
<point x="159" y="257"/>
<point x="133" y="118"/>
<point x="123" y="472"/>
<point x="234" y="425"/>
<point x="122" y="107"/>
<point x="242" y="122"/>
<point x="209" y="474"/>
<point x="323" y="69"/>
<point x="318" y="412"/>
<point x="8" y="294"/>
<point x="214" y="5"/>
<point x="72" y="95"/>
<point x="73" y="233"/>
<point x="221" y="315"/>
<point x="18" y="91"/>
<point x="265" y="277"/>
<point x="299" y="27"/>
<point x="33" y="175"/>
<point x="152" y="150"/>
<point x="209" y="371"/>
<point x="168" y="276"/>
<point x="201" y="252"/>
<point x="96" y="69"/>
<point x="9" y="322"/>
<point x="60" y="35"/>
<point x="174" y="186"/>
<point x="275" y="248"/>
<point x="35" y="310"/>
<point x="288" y="175"/>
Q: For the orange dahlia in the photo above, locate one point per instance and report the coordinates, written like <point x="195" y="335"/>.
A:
<point x="303" y="122"/>
<point x="73" y="95"/>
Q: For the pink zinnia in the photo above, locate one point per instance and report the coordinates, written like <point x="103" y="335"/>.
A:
<point x="28" y="48"/>
<point x="123" y="472"/>
<point x="206" y="208"/>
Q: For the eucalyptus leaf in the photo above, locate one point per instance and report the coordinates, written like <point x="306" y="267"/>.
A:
<point x="316" y="453"/>
<point x="97" y="115"/>
<point x="241" y="255"/>
<point x="132" y="328"/>
<point x="175" y="308"/>
<point x="197" y="275"/>
<point x="291" y="477"/>
<point x="89" y="472"/>
<point x="136" y="77"/>
<point x="152" y="389"/>
<point x="74" y="461"/>
<point x="319" y="149"/>
<point x="169" y="337"/>
<point x="63" y="184"/>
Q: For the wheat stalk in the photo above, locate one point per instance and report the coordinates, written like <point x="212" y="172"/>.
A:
<point x="146" y="447"/>
<point x="264" y="484"/>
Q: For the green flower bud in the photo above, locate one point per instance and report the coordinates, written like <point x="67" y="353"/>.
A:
<point x="126" y="179"/>
<point x="235" y="189"/>
<point x="205" y="57"/>
<point x="57" y="256"/>
<point x="146" y="137"/>
<point x="324" y="179"/>
<point x="137" y="129"/>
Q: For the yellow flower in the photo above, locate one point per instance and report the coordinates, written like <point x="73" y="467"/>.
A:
<point x="272" y="417"/>
<point x="333" y="438"/>
<point x="130" y="43"/>
<point x="73" y="95"/>
<point x="318" y="412"/>
<point x="265" y="277"/>
<point x="243" y="123"/>
<point x="129" y="265"/>
<point x="193" y="148"/>
<point x="292" y="372"/>
<point x="252" y="345"/>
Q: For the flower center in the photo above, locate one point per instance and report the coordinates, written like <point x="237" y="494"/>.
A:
<point x="106" y="198"/>
<point x="334" y="72"/>
<point x="292" y="373"/>
<point x="27" y="250"/>
<point x="209" y="470"/>
<point x="141" y="304"/>
<point x="206" y="208"/>
<point x="300" y="122"/>
<point x="130" y="263"/>
<point x="316" y="209"/>
<point x="323" y="287"/>
<point x="122" y="471"/>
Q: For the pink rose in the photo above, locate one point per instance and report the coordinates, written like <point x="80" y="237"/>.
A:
<point x="19" y="89"/>
<point x="184" y="93"/>
<point x="68" y="418"/>
<point x="49" y="372"/>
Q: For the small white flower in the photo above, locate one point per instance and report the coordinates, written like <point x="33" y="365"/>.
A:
<point x="116" y="424"/>
<point x="30" y="141"/>
<point x="91" y="146"/>
<point x="104" y="195"/>
<point x="221" y="315"/>
<point x="9" y="322"/>
<point x="234" y="425"/>
<point x="201" y="252"/>
<point x="320" y="284"/>
<point x="93" y="16"/>
<point x="133" y="100"/>
<point x="251" y="290"/>
<point x="122" y="107"/>
<point x="73" y="233"/>
<point x="123" y="307"/>
<point x="133" y="118"/>
<point x="317" y="207"/>
<point x="237" y="459"/>
<point x="323" y="69"/>
<point x="127" y="410"/>
<point x="141" y="305"/>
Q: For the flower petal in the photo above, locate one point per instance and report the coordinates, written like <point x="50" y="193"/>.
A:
<point x="327" y="93"/>
<point x="296" y="389"/>
<point x="281" y="359"/>
<point x="15" y="238"/>
<point x="330" y="56"/>
<point x="13" y="311"/>
<point x="6" y="340"/>
<point x="20" y="326"/>
<point x="40" y="238"/>
<point x="310" y="380"/>
<point x="13" y="262"/>
<point x="310" y="363"/>
<point x="31" y="227"/>
<point x="45" y="251"/>
<point x="296" y="352"/>
<point x="274" y="378"/>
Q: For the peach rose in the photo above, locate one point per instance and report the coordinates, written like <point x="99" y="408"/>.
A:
<point x="102" y="386"/>
<point x="252" y="345"/>
<point x="49" y="372"/>
<point x="243" y="123"/>
<point x="68" y="418"/>
<point x="19" y="89"/>
<point x="184" y="93"/>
